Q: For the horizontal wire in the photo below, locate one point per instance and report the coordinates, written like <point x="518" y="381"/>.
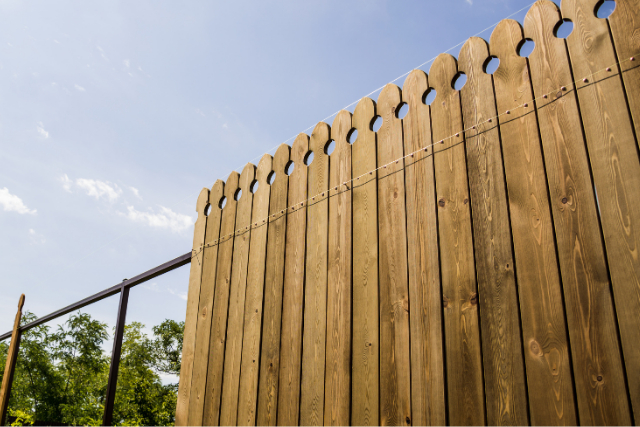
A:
<point x="302" y="203"/>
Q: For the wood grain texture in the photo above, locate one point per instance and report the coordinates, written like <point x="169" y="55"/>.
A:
<point x="366" y="331"/>
<point x="221" y="305"/>
<point x="616" y="172"/>
<point x="203" y="329"/>
<point x="425" y="296"/>
<point x="190" y="324"/>
<point x="504" y="375"/>
<point x="293" y="288"/>
<point x="273" y="287"/>
<point x="459" y="289"/>
<point x="625" y="29"/>
<point x="10" y="363"/>
<point x="395" y="374"/>
<point x="237" y="294"/>
<point x="338" y="354"/>
<point x="315" y="294"/>
<point x="249" y="369"/>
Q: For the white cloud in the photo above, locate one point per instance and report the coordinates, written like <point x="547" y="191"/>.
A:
<point x="66" y="182"/>
<point x="225" y="126"/>
<point x="181" y="295"/>
<point x="41" y="131"/>
<point x="36" y="238"/>
<point x="126" y="63"/>
<point x="11" y="202"/>
<point x="98" y="189"/>
<point x="154" y="287"/>
<point x="135" y="191"/>
<point x="166" y="218"/>
<point x="80" y="88"/>
<point x="470" y="2"/>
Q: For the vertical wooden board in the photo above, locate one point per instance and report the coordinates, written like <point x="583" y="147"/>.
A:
<point x="293" y="288"/>
<point x="193" y="297"/>
<point x="10" y="363"/>
<point x="501" y="341"/>
<point x="248" y="392"/>
<point x="395" y="375"/>
<point x="613" y="153"/>
<point x="203" y="330"/>
<point x="366" y="332"/>
<point x="273" y="287"/>
<point x="338" y="354"/>
<point x="221" y="304"/>
<point x="425" y="296"/>
<point x="625" y="27"/>
<point x="460" y="298"/>
<point x="315" y="294"/>
<point x="237" y="293"/>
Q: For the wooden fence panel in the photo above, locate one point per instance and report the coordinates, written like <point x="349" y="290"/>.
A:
<point x="395" y="374"/>
<point x="338" y="354"/>
<point x="500" y="320"/>
<point x="205" y="309"/>
<point x="463" y="350"/>
<point x="293" y="288"/>
<point x="193" y="297"/>
<point x="616" y="171"/>
<point x="425" y="298"/>
<point x="315" y="295"/>
<point x="221" y="304"/>
<point x="273" y="286"/>
<point x="248" y="392"/>
<point x="365" y="409"/>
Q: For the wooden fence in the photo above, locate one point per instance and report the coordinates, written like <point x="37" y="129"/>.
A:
<point x="474" y="262"/>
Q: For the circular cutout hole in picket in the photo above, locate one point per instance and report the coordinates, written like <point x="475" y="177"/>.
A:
<point x="329" y="147"/>
<point x="563" y="29"/>
<point x="308" y="158"/>
<point x="288" y="169"/>
<point x="254" y="186"/>
<point x="604" y="8"/>
<point x="525" y="48"/>
<point x="402" y="110"/>
<point x="237" y="194"/>
<point x="429" y="96"/>
<point x="491" y="65"/>
<point x="271" y="177"/>
<point x="376" y="123"/>
<point x="352" y="136"/>
<point x="207" y="209"/>
<point x="222" y="203"/>
<point x="459" y="81"/>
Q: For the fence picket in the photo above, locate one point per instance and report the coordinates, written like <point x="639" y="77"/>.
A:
<point x="366" y="332"/>
<point x="459" y="288"/>
<point x="425" y="296"/>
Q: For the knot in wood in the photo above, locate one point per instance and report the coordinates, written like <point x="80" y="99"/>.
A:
<point x="408" y="420"/>
<point x="441" y="203"/>
<point x="445" y="301"/>
<point x="535" y="348"/>
<point x="564" y="200"/>
<point x="465" y="201"/>
<point x="599" y="378"/>
<point x="474" y="299"/>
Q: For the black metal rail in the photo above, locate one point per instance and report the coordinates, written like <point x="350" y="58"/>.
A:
<point x="123" y="289"/>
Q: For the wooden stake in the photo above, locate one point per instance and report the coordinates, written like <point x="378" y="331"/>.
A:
<point x="9" y="367"/>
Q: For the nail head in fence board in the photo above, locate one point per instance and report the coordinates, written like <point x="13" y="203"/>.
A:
<point x="315" y="297"/>
<point x="193" y="296"/>
<point x="203" y="329"/>
<point x="338" y="354"/>
<point x="221" y="305"/>
<point x="461" y="324"/>
<point x="237" y="293"/>
<point x="504" y="374"/>
<point x="425" y="297"/>
<point x="274" y="280"/>
<point x="612" y="150"/>
<point x="625" y="27"/>
<point x="366" y="344"/>
<point x="10" y="363"/>
<point x="293" y="290"/>
<point x="395" y="375"/>
<point x="248" y="394"/>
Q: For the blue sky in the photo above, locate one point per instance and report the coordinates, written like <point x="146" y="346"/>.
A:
<point x="113" y="116"/>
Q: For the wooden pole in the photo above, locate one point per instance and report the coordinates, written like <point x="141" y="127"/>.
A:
<point x="9" y="368"/>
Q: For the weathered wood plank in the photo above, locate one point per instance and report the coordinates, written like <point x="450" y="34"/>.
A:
<point x="425" y="297"/>
<point x="237" y="293"/>
<point x="366" y="332"/>
<point x="293" y="288"/>
<point x="221" y="304"/>
<point x="248" y="392"/>
<point x="190" y="324"/>
<point x="10" y="363"/>
<point x="273" y="288"/>
<point x="205" y="310"/>
<point x="460" y="295"/>
<point x="315" y="294"/>
<point x="338" y="354"/>
<point x="504" y="375"/>
<point x="616" y="171"/>
<point x="395" y="375"/>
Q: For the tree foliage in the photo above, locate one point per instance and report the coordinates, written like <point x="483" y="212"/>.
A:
<point x="61" y="376"/>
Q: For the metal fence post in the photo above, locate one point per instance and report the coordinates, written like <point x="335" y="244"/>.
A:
<point x="12" y="357"/>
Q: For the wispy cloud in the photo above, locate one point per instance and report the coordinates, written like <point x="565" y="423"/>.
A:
<point x="99" y="189"/>
<point x="80" y="88"/>
<point x="36" y="238"/>
<point x="126" y="63"/>
<point x="166" y="219"/>
<point x="470" y="2"/>
<point x="41" y="131"/>
<point x="135" y="191"/>
<point x="154" y="287"/>
<point x="66" y="182"/>
<point x="13" y="203"/>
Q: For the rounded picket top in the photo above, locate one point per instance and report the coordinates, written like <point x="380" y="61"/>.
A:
<point x="388" y="101"/>
<point x="246" y="179"/>
<point x="202" y="202"/>
<point x="506" y="40"/>
<point x="264" y="169"/>
<point x="280" y="161"/>
<point x="441" y="74"/>
<point x="473" y="56"/>
<point x="414" y="89"/>
<point x="299" y="150"/>
<point x="230" y="188"/>
<point x="216" y="194"/>
<point x="319" y="137"/>
<point x="340" y="129"/>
